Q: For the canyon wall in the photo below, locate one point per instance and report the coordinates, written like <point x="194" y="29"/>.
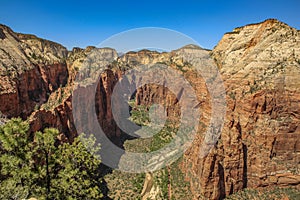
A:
<point x="259" y="145"/>
<point x="31" y="69"/>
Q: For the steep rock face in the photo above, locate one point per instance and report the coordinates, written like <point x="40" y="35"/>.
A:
<point x="259" y="145"/>
<point x="159" y="94"/>
<point x="30" y="68"/>
<point x="103" y="108"/>
<point x="60" y="117"/>
<point x="57" y="112"/>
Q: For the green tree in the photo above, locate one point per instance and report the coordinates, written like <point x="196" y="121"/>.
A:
<point x="35" y="165"/>
<point x="16" y="176"/>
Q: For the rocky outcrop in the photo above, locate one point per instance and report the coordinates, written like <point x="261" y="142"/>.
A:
<point x="31" y="68"/>
<point x="60" y="117"/>
<point x="58" y="112"/>
<point x="259" y="145"/>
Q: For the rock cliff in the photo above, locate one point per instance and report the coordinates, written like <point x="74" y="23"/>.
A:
<point x="57" y="111"/>
<point x="31" y="68"/>
<point x="259" y="145"/>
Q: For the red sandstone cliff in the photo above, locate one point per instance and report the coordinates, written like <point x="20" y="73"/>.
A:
<point x="31" y="68"/>
<point x="260" y="142"/>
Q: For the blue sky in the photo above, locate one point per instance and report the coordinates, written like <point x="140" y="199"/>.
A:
<point x="83" y="23"/>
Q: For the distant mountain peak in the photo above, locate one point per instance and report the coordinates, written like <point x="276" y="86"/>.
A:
<point x="191" y="46"/>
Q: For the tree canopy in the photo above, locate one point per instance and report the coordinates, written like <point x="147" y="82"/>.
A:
<point x="36" y="165"/>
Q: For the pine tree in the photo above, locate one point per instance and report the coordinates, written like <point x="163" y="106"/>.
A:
<point x="35" y="165"/>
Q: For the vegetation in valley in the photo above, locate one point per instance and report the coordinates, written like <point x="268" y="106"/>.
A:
<point x="170" y="181"/>
<point x="266" y="194"/>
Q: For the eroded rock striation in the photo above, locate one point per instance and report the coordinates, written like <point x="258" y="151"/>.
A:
<point x="259" y="145"/>
<point x="31" y="69"/>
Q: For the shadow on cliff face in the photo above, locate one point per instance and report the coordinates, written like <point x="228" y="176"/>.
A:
<point x="245" y="155"/>
<point x="92" y="114"/>
<point x="111" y="137"/>
<point x="105" y="170"/>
